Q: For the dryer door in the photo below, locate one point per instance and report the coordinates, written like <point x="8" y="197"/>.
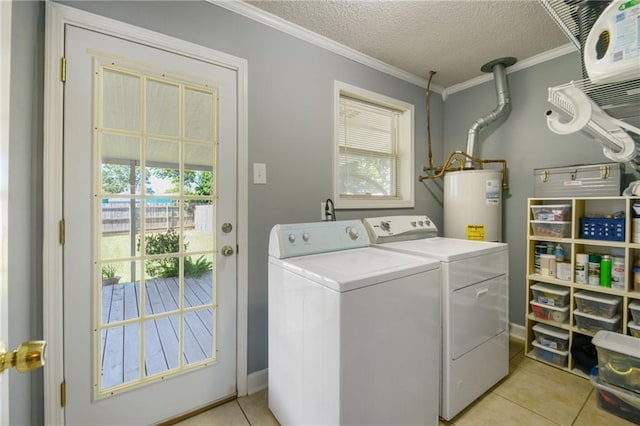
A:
<point x="478" y="313"/>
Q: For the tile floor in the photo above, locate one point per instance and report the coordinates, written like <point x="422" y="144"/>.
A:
<point x="532" y="394"/>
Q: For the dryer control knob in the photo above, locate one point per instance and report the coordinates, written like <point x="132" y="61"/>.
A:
<point x="305" y="237"/>
<point x="292" y="238"/>
<point x="353" y="233"/>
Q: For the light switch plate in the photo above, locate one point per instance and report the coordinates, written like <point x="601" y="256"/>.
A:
<point x="259" y="173"/>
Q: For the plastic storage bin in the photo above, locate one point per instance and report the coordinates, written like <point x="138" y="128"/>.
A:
<point x="549" y="313"/>
<point x="599" y="304"/>
<point x="595" y="323"/>
<point x="549" y="294"/>
<point x="634" y="329"/>
<point x="634" y="307"/>
<point x="551" y="337"/>
<point x="552" y="212"/>
<point x="619" y="402"/>
<point x="597" y="228"/>
<point x="543" y="228"/>
<point x="618" y="360"/>
<point x="551" y="355"/>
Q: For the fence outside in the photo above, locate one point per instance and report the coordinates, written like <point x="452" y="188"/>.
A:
<point x="116" y="217"/>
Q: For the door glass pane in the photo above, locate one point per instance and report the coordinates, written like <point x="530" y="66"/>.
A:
<point x="198" y="280"/>
<point x="120" y="355"/>
<point x="163" y="108"/>
<point x="161" y="344"/>
<point x="198" y="169"/>
<point x="198" y="109"/>
<point x="163" y="171"/>
<point x="120" y="101"/>
<point x="120" y="294"/>
<point x="163" y="288"/>
<point x="120" y="164"/>
<point x="162" y="218"/>
<point x="198" y="335"/>
<point x="120" y="219"/>
<point x="199" y="219"/>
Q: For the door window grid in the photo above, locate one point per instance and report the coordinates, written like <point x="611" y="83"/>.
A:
<point x="176" y="317"/>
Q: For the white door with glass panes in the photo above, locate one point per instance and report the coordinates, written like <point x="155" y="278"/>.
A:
<point x="150" y="214"/>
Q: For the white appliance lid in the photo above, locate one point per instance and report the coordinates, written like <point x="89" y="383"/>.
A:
<point x="445" y="249"/>
<point x="351" y="269"/>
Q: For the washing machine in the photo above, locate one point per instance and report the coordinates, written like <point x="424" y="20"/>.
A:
<point x="475" y="291"/>
<point x="353" y="330"/>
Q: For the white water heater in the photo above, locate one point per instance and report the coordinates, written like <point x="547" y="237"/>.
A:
<point x="473" y="205"/>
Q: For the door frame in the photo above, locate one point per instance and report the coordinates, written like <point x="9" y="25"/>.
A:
<point x="5" y="99"/>
<point x="57" y="16"/>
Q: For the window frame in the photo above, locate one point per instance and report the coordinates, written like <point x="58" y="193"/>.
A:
<point x="405" y="145"/>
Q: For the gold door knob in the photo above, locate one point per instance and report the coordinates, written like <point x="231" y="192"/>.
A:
<point x="29" y="356"/>
<point x="227" y="251"/>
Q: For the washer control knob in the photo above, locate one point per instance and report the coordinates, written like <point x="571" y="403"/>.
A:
<point x="292" y="238"/>
<point x="305" y="236"/>
<point x="421" y="223"/>
<point x="353" y="233"/>
<point x="413" y="223"/>
<point x="385" y="225"/>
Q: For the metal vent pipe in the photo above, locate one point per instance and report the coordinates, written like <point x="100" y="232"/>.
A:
<point x="498" y="67"/>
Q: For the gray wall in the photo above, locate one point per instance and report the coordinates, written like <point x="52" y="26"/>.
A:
<point x="526" y="143"/>
<point x="25" y="203"/>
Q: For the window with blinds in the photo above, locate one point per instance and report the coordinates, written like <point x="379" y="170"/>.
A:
<point x="373" y="150"/>
<point x="368" y="151"/>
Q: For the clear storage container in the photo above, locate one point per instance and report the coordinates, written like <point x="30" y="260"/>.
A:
<point x="551" y="337"/>
<point x="599" y="304"/>
<point x="634" y="307"/>
<point x="634" y="329"/>
<point x="551" y="355"/>
<point x="618" y="359"/>
<point x="619" y="402"/>
<point x="552" y="212"/>
<point x="543" y="228"/>
<point x="550" y="313"/>
<point x="549" y="294"/>
<point x="595" y="323"/>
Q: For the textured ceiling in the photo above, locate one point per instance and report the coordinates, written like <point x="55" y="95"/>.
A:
<point x="452" y="38"/>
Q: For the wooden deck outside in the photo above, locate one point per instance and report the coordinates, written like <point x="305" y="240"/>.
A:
<point x="121" y="344"/>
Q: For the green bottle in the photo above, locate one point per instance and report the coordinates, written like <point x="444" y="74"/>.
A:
<point x="605" y="271"/>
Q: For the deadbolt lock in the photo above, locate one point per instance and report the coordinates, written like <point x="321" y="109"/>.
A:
<point x="227" y="251"/>
<point x="29" y="356"/>
<point x="227" y="227"/>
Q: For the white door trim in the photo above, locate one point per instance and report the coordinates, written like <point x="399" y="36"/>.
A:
<point x="5" y="86"/>
<point x="57" y="16"/>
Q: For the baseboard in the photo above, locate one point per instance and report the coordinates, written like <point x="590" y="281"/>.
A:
<point x="516" y="331"/>
<point x="257" y="381"/>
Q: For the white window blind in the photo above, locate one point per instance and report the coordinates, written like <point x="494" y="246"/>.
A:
<point x="367" y="150"/>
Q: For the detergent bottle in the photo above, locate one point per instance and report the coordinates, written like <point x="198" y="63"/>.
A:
<point x="612" y="51"/>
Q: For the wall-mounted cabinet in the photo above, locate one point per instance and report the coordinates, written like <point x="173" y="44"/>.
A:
<point x="581" y="256"/>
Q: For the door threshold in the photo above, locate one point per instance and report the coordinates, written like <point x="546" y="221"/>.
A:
<point x="182" y="417"/>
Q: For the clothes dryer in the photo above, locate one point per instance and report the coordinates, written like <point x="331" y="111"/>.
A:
<point x="475" y="288"/>
<point x="353" y="330"/>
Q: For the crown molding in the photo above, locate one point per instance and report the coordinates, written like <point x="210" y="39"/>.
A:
<point x="266" y="18"/>
<point x="565" y="49"/>
<point x="256" y="14"/>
